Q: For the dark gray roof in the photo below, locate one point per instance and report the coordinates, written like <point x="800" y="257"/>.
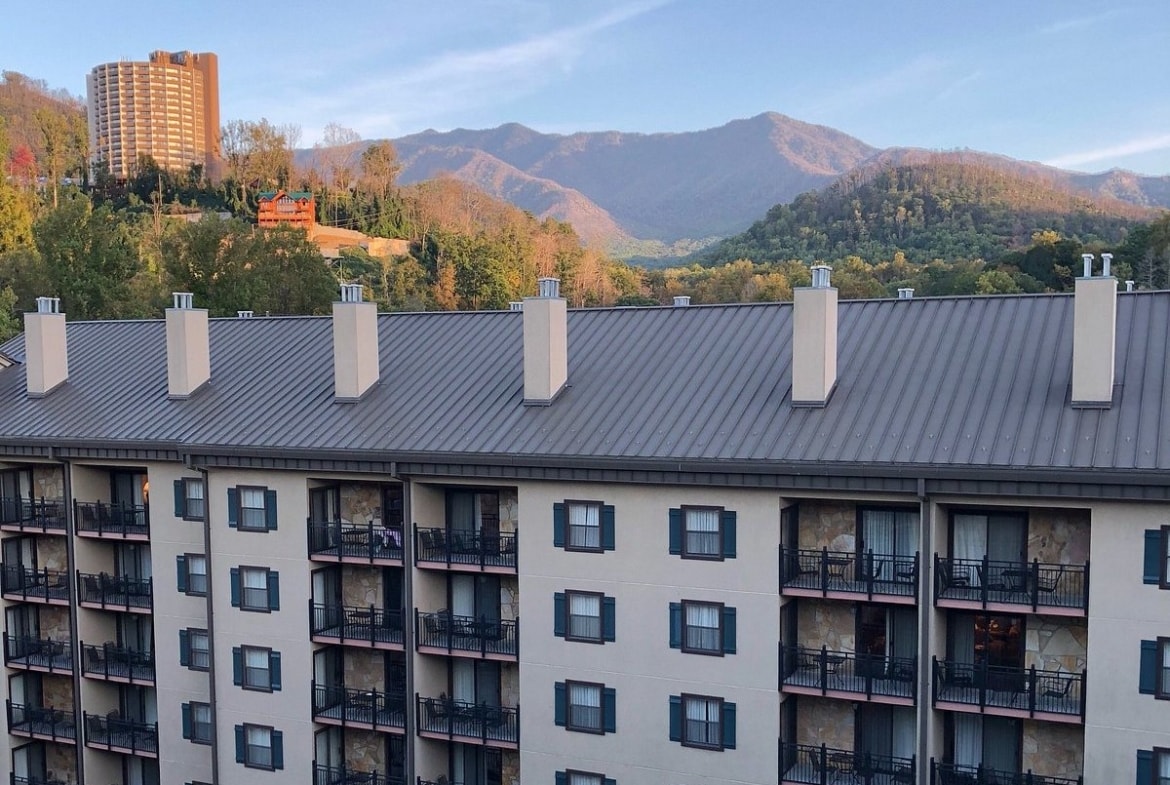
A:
<point x="929" y="382"/>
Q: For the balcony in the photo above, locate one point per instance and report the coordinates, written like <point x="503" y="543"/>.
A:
<point x="334" y="541"/>
<point x="950" y="774"/>
<point x="116" y="734"/>
<point x="38" y="654"/>
<point x="845" y="575"/>
<point x="349" y="625"/>
<point x="1056" y="589"/>
<point x="356" y="708"/>
<point x="113" y="521"/>
<point x="40" y="722"/>
<point x="15" y="780"/>
<point x="465" y="550"/>
<point x="468" y="723"/>
<point x="847" y="675"/>
<point x="46" y="516"/>
<point x="811" y="765"/>
<point x="1009" y="692"/>
<point x="115" y="663"/>
<point x="25" y="584"/>
<point x="443" y="633"/>
<point x="115" y="593"/>
<point x="323" y="775"/>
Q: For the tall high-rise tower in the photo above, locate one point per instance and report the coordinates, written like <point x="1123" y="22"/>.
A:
<point x="167" y="108"/>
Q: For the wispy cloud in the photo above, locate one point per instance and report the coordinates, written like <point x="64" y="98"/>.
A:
<point x="1141" y="144"/>
<point x="905" y="78"/>
<point x="1079" y="22"/>
<point x="955" y="87"/>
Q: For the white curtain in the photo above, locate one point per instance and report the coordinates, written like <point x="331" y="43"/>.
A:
<point x="463" y="595"/>
<point x="585" y="705"/>
<point x="877" y="532"/>
<point x="702" y="625"/>
<point x="905" y="533"/>
<point x="702" y="531"/>
<point x="970" y="543"/>
<point x="1166" y="674"/>
<point x="584" y="526"/>
<point x="576" y="778"/>
<point x="968" y="739"/>
<point x="702" y="721"/>
<point x="585" y="615"/>
<point x="463" y="512"/>
<point x="963" y="639"/>
<point x="1164" y="768"/>
<point x="903" y="731"/>
<point x="463" y="680"/>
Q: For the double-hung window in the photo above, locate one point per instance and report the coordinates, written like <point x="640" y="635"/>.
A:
<point x="197" y="722"/>
<point x="702" y="533"/>
<point x="584" y="706"/>
<point x="702" y="721"/>
<point x="1161" y="766"/>
<point x="192" y="573"/>
<point x="584" y="519"/>
<point x="189" y="501"/>
<point x="584" y="616"/>
<point x="194" y="649"/>
<point x="1154" y="670"/>
<point x="1164" y="552"/>
<point x="257" y="748"/>
<point x="252" y="511"/>
<point x="255" y="589"/>
<point x="1163" y="690"/>
<point x="256" y="668"/>
<point x="702" y="628"/>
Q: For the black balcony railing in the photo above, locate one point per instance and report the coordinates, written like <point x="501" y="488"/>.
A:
<point x="42" y="721"/>
<point x="443" y="630"/>
<point x="380" y="710"/>
<point x="451" y="718"/>
<point x="864" y="674"/>
<point x="40" y="653"/>
<point x="115" y="733"/>
<point x="114" y="591"/>
<point x="44" y="515"/>
<point x="118" y="663"/>
<point x="353" y="624"/>
<point x="1019" y="689"/>
<point x="15" y="780"/>
<point x="807" y="763"/>
<point x="25" y="583"/>
<point x="337" y="540"/>
<point x="1014" y="583"/>
<point x="343" y="775"/>
<point x="465" y="548"/>
<point x="112" y="520"/>
<point x="950" y="774"/>
<point x="856" y="573"/>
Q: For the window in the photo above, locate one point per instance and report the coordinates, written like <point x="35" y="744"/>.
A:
<point x="194" y="651"/>
<point x="583" y="526"/>
<point x="585" y="706"/>
<point x="197" y="722"/>
<point x="191" y="569"/>
<point x="584" y="616"/>
<point x="702" y="721"/>
<point x="582" y="778"/>
<point x="1162" y="688"/>
<point x="702" y="533"/>
<point x="255" y="589"/>
<point x="259" y="747"/>
<point x="189" y="503"/>
<point x="256" y="668"/>
<point x="702" y="627"/>
<point x="252" y="509"/>
<point x="1161" y="766"/>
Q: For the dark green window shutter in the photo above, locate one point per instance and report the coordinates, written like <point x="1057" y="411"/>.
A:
<point x="562" y="778"/>
<point x="676" y="531"/>
<point x="559" y="525"/>
<point x="608" y="619"/>
<point x="270" y="510"/>
<point x="235" y="582"/>
<point x="233" y="506"/>
<point x="559" y="614"/>
<point x="273" y="590"/>
<point x="180" y="498"/>
<point x="1145" y="767"/>
<point x="676" y="624"/>
<point x="727" y="520"/>
<point x="607" y="533"/>
<point x="728" y="630"/>
<point x="560" y="707"/>
<point x="184" y="648"/>
<point x="274" y="669"/>
<point x="186" y="709"/>
<point x="609" y="709"/>
<point x="675" y="718"/>
<point x="728" y="725"/>
<point x="1148" y="674"/>
<point x="181" y="572"/>
<point x="1152" y="564"/>
<point x="237" y="666"/>
<point x="240" y="750"/>
<point x="277" y="749"/>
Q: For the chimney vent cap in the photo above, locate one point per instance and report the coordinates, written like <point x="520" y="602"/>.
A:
<point x="1129" y="285"/>
<point x="820" y="276"/>
<point x="906" y="293"/>
<point x="516" y="305"/>
<point x="243" y="314"/>
<point x="183" y="300"/>
<point x="548" y="288"/>
<point x="1107" y="260"/>
<point x="48" y="305"/>
<point x="351" y="292"/>
<point x="1087" y="258"/>
<point x="682" y="300"/>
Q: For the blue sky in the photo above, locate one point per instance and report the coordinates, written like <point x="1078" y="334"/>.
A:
<point x="1082" y="85"/>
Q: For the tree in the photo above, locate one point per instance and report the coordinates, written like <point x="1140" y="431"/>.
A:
<point x="379" y="168"/>
<point x="56" y="141"/>
<point x="258" y="155"/>
<point x="338" y="154"/>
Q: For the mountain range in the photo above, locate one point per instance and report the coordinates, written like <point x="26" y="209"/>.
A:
<point x="666" y="194"/>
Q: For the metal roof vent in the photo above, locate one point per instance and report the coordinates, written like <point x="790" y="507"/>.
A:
<point x="48" y="305"/>
<point x="682" y="300"/>
<point x="906" y="293"/>
<point x="351" y="292"/>
<point x="516" y="305"/>
<point x="243" y="314"/>
<point x="548" y="288"/>
<point x="1094" y="335"/>
<point x="183" y="300"/>
<point x="820" y="276"/>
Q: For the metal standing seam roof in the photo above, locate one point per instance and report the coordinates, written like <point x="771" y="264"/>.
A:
<point x="927" y="382"/>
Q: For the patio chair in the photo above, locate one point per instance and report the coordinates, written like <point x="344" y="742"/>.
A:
<point x="1049" y="581"/>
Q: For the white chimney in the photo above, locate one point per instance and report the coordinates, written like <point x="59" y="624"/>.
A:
<point x="46" y="361"/>
<point x="682" y="300"/>
<point x="188" y="347"/>
<point x="814" y="340"/>
<point x="1094" y="335"/>
<point x="546" y="343"/>
<point x="355" y="345"/>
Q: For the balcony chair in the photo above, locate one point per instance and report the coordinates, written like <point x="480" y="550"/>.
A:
<point x="1057" y="692"/>
<point x="952" y="577"/>
<point x="1049" y="583"/>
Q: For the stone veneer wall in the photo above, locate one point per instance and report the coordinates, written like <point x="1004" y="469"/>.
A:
<point x="1055" y="644"/>
<point x="360" y="503"/>
<point x="825" y="623"/>
<point x="509" y="598"/>
<point x="509" y="685"/>
<point x="1053" y="749"/>
<point x="51" y="553"/>
<point x="1058" y="536"/>
<point x="48" y="482"/>
<point x="361" y="586"/>
<point x="831" y="525"/>
<point x="509" y="510"/>
<point x="365" y="669"/>
<point x="365" y="750"/>
<point x="510" y="767"/>
<point x="824" y="721"/>
<point x="57" y="691"/>
<point x="61" y="762"/>
<point x="54" y="622"/>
